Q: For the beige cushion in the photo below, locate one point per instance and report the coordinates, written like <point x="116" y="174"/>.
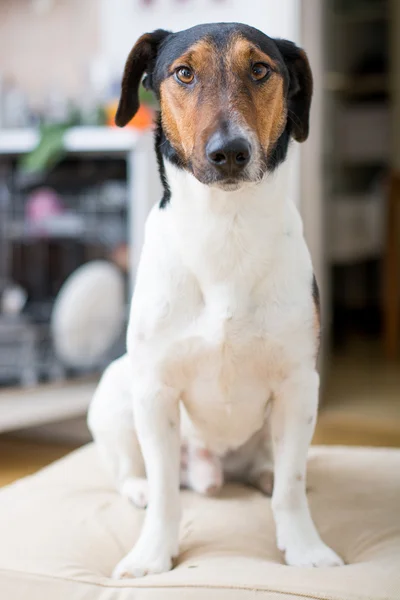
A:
<point x="64" y="529"/>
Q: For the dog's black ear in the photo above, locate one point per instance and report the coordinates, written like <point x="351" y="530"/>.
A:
<point x="300" y="88"/>
<point x="138" y="62"/>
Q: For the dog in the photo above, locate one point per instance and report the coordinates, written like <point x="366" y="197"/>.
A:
<point x="219" y="380"/>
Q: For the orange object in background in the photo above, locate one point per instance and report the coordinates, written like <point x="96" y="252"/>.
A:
<point x="142" y="120"/>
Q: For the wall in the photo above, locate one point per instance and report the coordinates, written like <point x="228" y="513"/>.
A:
<point x="313" y="188"/>
<point x="123" y="21"/>
<point x="48" y="43"/>
<point x="311" y="156"/>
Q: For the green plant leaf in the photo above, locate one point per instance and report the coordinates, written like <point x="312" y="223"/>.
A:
<point x="49" y="151"/>
<point x="147" y="97"/>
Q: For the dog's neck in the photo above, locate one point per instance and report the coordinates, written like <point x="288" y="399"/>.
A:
<point x="221" y="235"/>
<point x="270" y="196"/>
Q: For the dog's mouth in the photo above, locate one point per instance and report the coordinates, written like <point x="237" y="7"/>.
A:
<point x="230" y="185"/>
<point x="209" y="176"/>
<point x="212" y="178"/>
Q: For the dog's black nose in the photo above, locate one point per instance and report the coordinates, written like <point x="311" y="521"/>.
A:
<point x="229" y="155"/>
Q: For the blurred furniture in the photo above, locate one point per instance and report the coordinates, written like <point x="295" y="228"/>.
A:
<point x="392" y="269"/>
<point x="357" y="141"/>
<point x="17" y="350"/>
<point x="65" y="528"/>
<point x="137" y="148"/>
<point x="392" y="254"/>
<point x="27" y="353"/>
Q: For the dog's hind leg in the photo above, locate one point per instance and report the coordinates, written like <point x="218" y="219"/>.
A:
<point x="110" y="420"/>
<point x="121" y="452"/>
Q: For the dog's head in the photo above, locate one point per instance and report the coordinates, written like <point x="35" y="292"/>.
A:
<point x="230" y="98"/>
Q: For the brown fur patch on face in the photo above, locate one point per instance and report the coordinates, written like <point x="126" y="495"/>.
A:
<point x="181" y="112"/>
<point x="223" y="93"/>
<point x="263" y="108"/>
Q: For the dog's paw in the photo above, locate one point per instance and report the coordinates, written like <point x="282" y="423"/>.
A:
<point x="151" y="555"/>
<point x="133" y="566"/>
<point x="144" y="559"/>
<point x="317" y="555"/>
<point x="301" y="544"/>
<point x="136" y="489"/>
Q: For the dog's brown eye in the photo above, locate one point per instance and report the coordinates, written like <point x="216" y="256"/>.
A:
<point x="260" y="71"/>
<point x="185" y="75"/>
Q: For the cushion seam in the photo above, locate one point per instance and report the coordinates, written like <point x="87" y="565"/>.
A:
<point x="304" y="594"/>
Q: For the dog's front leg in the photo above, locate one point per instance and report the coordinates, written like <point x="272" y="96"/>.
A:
<point x="292" y="425"/>
<point x="156" y="411"/>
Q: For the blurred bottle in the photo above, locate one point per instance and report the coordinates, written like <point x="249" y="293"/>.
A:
<point x="57" y="108"/>
<point x="13" y="300"/>
<point x="96" y="83"/>
<point x="14" y="106"/>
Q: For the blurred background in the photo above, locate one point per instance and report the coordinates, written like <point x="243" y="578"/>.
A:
<point x="75" y="192"/>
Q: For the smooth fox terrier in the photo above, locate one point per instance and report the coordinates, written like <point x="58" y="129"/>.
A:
<point x="219" y="381"/>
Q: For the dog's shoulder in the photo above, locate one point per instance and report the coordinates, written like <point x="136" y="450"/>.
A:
<point x="165" y="289"/>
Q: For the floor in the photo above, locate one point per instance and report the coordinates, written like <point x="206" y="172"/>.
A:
<point x="360" y="406"/>
<point x="23" y="457"/>
<point x="361" y="399"/>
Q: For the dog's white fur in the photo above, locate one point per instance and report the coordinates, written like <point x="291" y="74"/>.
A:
<point x="221" y="333"/>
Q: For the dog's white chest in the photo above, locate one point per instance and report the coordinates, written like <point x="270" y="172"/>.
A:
<point x="222" y="364"/>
